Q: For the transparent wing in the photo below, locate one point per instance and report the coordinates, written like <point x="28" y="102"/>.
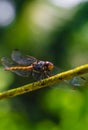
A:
<point x="7" y="63"/>
<point x="21" y="59"/>
<point x="76" y="81"/>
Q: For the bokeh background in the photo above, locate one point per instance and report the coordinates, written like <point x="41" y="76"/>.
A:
<point x="53" y="30"/>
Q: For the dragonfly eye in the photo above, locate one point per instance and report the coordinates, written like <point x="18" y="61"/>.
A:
<point x="49" y="65"/>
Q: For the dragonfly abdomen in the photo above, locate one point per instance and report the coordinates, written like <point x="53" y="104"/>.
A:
<point x="19" y="68"/>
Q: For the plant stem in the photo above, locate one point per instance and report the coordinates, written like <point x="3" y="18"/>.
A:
<point x="45" y="82"/>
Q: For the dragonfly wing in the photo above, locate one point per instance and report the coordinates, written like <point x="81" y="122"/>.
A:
<point x="23" y="73"/>
<point x="21" y="59"/>
<point x="8" y="63"/>
<point x="77" y="81"/>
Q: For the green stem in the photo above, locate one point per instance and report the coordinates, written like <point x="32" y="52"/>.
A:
<point x="45" y="82"/>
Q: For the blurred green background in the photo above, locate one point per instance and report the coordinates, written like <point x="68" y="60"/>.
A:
<point x="52" y="30"/>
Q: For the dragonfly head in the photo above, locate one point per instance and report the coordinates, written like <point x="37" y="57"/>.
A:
<point x="49" y="65"/>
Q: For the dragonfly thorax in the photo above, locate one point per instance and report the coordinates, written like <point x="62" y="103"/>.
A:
<point x="43" y="66"/>
<point x="39" y="66"/>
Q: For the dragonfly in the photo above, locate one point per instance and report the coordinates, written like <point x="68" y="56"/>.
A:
<point x="25" y="66"/>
